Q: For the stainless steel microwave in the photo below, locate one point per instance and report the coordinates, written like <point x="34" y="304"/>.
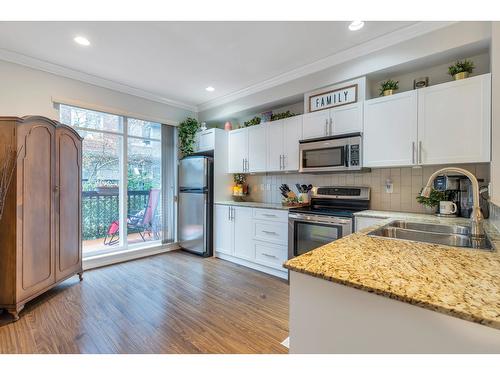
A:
<point x="333" y="154"/>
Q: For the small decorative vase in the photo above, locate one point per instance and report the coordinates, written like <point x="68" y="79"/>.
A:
<point x="228" y="126"/>
<point x="388" y="92"/>
<point x="461" y="75"/>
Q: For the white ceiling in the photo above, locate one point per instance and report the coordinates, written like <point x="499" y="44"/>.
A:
<point x="177" y="60"/>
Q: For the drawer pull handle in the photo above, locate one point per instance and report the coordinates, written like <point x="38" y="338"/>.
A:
<point x="269" y="255"/>
<point x="269" y="215"/>
<point x="269" y="232"/>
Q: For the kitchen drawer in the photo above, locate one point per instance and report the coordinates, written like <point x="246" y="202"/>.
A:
<point x="270" y="255"/>
<point x="270" y="214"/>
<point x="271" y="231"/>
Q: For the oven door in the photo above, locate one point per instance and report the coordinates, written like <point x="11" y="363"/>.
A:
<point x="308" y="232"/>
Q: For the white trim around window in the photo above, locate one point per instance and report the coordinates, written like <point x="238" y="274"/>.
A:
<point x="126" y="255"/>
<point x="111" y="111"/>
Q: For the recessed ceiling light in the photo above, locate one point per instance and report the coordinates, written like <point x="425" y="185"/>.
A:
<point x="82" y="40"/>
<point x="210" y="89"/>
<point x="356" y="25"/>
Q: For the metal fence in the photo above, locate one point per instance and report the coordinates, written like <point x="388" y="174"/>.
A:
<point x="100" y="209"/>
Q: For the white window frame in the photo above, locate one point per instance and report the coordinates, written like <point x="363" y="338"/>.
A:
<point x="123" y="245"/>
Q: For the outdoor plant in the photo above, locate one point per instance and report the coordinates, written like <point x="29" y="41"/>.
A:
<point x="388" y="85"/>
<point x="187" y="131"/>
<point x="253" y="121"/>
<point x="282" y="115"/>
<point x="434" y="199"/>
<point x="461" y="66"/>
<point x="239" y="178"/>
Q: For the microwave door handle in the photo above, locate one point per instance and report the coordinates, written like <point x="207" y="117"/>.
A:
<point x="346" y="152"/>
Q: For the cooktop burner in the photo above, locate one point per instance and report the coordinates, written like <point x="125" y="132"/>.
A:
<point x="336" y="201"/>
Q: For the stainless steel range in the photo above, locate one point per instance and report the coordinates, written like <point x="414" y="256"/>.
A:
<point x="329" y="217"/>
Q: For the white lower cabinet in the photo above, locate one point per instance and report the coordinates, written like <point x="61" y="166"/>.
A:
<point x="242" y="235"/>
<point x="361" y="222"/>
<point x="224" y="229"/>
<point x="253" y="237"/>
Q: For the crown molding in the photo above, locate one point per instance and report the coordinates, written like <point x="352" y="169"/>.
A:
<point x="59" y="70"/>
<point x="357" y="51"/>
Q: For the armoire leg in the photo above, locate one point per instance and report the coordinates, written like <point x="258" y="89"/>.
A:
<point x="80" y="275"/>
<point x="15" y="312"/>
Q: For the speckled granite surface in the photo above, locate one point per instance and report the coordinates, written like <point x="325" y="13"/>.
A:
<point x="274" y="206"/>
<point x="459" y="282"/>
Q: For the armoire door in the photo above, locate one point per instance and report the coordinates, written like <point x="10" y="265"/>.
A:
<point x="35" y="202"/>
<point x="68" y="203"/>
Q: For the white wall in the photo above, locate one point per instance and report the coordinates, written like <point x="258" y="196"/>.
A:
<point x="495" y="113"/>
<point x="27" y="91"/>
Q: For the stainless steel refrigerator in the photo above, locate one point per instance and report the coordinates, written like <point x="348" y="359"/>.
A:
<point x="196" y="204"/>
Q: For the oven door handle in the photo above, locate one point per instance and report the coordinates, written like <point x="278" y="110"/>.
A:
<point x="319" y="221"/>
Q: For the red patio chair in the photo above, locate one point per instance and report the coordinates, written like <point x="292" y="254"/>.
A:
<point x="142" y="221"/>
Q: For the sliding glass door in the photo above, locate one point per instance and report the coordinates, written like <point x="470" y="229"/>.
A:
<point x="122" y="180"/>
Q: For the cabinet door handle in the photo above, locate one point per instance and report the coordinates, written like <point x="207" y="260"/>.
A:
<point x="420" y="152"/>
<point x="243" y="161"/>
<point x="247" y="165"/>
<point x="232" y="213"/>
<point x="281" y="164"/>
<point x="326" y="126"/>
<point x="413" y="152"/>
<point x="331" y="123"/>
<point x="229" y="213"/>
<point x="269" y="232"/>
<point x="269" y="215"/>
<point x="269" y="255"/>
<point x="284" y="162"/>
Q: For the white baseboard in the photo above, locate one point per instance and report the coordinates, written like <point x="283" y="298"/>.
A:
<point x="259" y="267"/>
<point x="123" y="256"/>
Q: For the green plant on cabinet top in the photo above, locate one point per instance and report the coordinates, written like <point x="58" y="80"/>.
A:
<point x="466" y="66"/>
<point x="187" y="132"/>
<point x="253" y="121"/>
<point x="388" y="85"/>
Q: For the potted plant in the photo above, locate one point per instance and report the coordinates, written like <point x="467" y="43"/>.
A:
<point x="388" y="87"/>
<point x="461" y="69"/>
<point x="433" y="201"/>
<point x="240" y="188"/>
<point x="187" y="131"/>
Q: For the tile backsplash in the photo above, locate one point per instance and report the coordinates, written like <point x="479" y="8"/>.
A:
<point x="407" y="183"/>
<point x="495" y="215"/>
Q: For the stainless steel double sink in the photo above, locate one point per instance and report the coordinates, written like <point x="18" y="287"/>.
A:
<point x="449" y="235"/>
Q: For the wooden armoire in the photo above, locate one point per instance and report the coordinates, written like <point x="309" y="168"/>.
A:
<point x="40" y="230"/>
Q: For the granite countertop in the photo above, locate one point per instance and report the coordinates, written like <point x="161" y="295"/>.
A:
<point x="459" y="282"/>
<point x="275" y="206"/>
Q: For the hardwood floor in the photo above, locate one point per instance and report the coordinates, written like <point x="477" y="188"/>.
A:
<point x="169" y="303"/>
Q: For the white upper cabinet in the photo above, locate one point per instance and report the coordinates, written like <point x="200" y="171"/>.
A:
<point x="390" y="130"/>
<point x="283" y="144"/>
<point x="454" y="121"/>
<point x="315" y="124"/>
<point x="335" y="121"/>
<point x="292" y="130"/>
<point x="257" y="148"/>
<point x="238" y="150"/>
<point x="205" y="140"/>
<point x="275" y="145"/>
<point x="448" y="123"/>
<point x="346" y="119"/>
